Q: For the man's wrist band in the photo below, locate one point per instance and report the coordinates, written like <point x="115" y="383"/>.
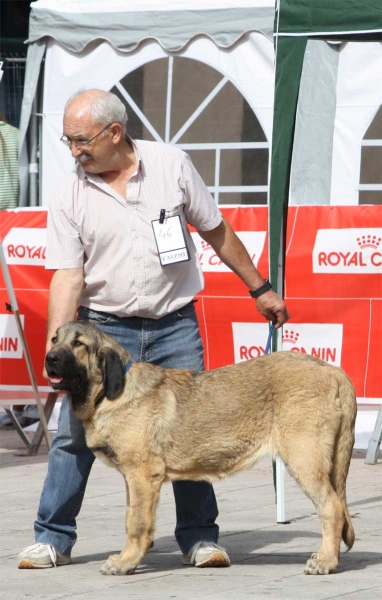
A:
<point x="261" y="290"/>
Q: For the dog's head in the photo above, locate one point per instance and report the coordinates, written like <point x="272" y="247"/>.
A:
<point x="87" y="364"/>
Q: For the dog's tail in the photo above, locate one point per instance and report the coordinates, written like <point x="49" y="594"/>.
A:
<point x="346" y="400"/>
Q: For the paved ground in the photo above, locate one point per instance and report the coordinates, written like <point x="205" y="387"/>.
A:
<point x="267" y="559"/>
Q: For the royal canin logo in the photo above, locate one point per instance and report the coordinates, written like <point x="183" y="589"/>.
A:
<point x="253" y="241"/>
<point x="320" y="340"/>
<point x="25" y="246"/>
<point x="10" y="342"/>
<point x="290" y="337"/>
<point x="369" y="241"/>
<point x="348" y="251"/>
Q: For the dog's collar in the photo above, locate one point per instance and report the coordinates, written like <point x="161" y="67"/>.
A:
<point x="127" y="367"/>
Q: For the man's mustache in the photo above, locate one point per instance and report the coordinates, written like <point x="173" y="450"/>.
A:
<point x="84" y="157"/>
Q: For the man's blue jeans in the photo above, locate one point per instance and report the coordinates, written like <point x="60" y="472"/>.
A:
<point x="172" y="341"/>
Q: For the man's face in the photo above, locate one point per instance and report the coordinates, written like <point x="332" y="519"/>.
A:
<point x="94" y="156"/>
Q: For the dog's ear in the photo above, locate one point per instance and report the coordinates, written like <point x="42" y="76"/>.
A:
<point x="113" y="377"/>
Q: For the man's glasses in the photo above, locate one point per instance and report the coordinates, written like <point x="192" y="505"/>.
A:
<point x="80" y="144"/>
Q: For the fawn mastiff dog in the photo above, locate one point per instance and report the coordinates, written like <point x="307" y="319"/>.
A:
<point x="155" y="425"/>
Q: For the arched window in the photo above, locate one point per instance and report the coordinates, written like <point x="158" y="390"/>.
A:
<point x="371" y="163"/>
<point x="187" y="103"/>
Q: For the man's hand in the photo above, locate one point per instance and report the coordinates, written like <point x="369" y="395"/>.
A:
<point x="273" y="308"/>
<point x="64" y="295"/>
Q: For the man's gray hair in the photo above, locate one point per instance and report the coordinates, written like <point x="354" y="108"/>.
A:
<point x="106" y="108"/>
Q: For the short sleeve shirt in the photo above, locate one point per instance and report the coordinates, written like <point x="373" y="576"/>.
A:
<point x="91" y="226"/>
<point x="9" y="172"/>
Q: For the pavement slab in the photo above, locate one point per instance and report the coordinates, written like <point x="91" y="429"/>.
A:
<point x="267" y="558"/>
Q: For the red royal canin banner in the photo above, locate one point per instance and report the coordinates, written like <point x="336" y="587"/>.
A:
<point x="333" y="291"/>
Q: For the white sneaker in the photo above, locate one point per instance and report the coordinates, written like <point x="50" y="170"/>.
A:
<point x="41" y="556"/>
<point x="206" y="554"/>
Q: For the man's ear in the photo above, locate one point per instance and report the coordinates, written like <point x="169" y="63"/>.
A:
<point x="117" y="132"/>
<point x="113" y="377"/>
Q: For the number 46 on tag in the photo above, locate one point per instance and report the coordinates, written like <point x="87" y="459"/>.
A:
<point x="170" y="241"/>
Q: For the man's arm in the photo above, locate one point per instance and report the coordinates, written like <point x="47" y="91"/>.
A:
<point x="64" y="295"/>
<point x="233" y="253"/>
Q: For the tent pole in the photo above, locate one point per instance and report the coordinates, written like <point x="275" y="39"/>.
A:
<point x="15" y="311"/>
<point x="280" y="467"/>
<point x="289" y="60"/>
<point x="33" y="165"/>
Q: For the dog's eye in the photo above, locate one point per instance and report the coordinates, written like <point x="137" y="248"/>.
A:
<point x="54" y="340"/>
<point x="77" y="343"/>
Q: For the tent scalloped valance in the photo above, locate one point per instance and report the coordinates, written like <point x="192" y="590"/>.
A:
<point x="172" y="29"/>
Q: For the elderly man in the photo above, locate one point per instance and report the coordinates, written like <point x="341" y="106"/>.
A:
<point x="112" y="268"/>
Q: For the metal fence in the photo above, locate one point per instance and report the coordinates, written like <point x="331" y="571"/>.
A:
<point x="11" y="88"/>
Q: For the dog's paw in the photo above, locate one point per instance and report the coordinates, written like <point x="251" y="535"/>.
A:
<point x="317" y="566"/>
<point x="115" y="567"/>
<point x="113" y="557"/>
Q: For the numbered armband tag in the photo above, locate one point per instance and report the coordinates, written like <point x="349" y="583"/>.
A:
<point x="170" y="241"/>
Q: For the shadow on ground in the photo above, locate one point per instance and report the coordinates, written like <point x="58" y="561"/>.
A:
<point x="159" y="561"/>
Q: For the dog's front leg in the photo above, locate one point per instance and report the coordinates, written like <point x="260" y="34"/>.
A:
<point x="144" y="485"/>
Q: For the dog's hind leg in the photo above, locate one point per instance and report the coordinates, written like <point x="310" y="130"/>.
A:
<point x="331" y="514"/>
<point x="311" y="469"/>
<point x="329" y="458"/>
<point x="342" y="455"/>
<point x="143" y="485"/>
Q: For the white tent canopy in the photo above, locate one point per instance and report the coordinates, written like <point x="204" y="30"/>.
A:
<point x="91" y="43"/>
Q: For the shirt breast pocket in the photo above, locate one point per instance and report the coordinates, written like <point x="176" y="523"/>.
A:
<point x="175" y="206"/>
